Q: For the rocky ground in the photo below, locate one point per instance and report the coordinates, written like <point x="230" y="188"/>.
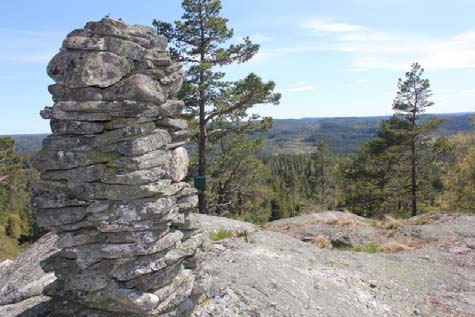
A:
<point x="305" y="266"/>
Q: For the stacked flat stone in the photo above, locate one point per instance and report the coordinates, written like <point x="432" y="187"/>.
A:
<point x="112" y="175"/>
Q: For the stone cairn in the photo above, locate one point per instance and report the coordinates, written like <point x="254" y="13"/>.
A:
<point x="112" y="176"/>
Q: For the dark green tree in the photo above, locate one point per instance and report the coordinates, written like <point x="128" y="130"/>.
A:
<point x="198" y="40"/>
<point x="373" y="181"/>
<point x="238" y="185"/>
<point x="323" y="178"/>
<point x="411" y="100"/>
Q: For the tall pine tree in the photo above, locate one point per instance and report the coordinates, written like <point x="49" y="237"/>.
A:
<point x="199" y="42"/>
<point x="411" y="100"/>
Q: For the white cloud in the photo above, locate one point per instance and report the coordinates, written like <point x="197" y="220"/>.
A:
<point x="327" y="25"/>
<point x="369" y="49"/>
<point x="469" y="91"/>
<point x="301" y="86"/>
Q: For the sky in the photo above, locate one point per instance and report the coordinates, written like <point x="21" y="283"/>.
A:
<point x="328" y="58"/>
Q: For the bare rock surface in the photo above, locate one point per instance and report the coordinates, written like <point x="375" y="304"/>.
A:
<point x="266" y="273"/>
<point x="210" y="224"/>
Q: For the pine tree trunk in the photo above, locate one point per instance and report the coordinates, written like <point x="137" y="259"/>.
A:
<point x="413" y="178"/>
<point x="203" y="137"/>
<point x="202" y="144"/>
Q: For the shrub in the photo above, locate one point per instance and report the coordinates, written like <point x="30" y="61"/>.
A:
<point x="220" y="235"/>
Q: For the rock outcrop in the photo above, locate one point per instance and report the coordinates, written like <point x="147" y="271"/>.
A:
<point x="266" y="273"/>
<point x="112" y="176"/>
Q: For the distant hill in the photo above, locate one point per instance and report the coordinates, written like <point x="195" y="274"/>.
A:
<point x="28" y="142"/>
<point x="344" y="135"/>
<point x="290" y="136"/>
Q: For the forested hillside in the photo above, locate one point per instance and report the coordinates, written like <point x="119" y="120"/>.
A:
<point x="296" y="136"/>
<point x="343" y="135"/>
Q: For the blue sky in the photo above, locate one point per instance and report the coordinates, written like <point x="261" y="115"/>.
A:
<point x="328" y="58"/>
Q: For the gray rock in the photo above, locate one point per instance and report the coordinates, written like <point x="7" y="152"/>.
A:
<point x="111" y="183"/>
<point x="124" y="48"/>
<point x="118" y="123"/>
<point x="58" y="216"/>
<point x="137" y="87"/>
<point x="179" y="164"/>
<point x="161" y="58"/>
<point x="4" y="264"/>
<point x="142" y="209"/>
<point x="138" y="177"/>
<point x="82" y="69"/>
<point x="63" y="93"/>
<point x="102" y="106"/>
<point x="174" y="124"/>
<point x="75" y="127"/>
<point x="172" y="108"/>
<point x="207" y="223"/>
<point x="276" y="275"/>
<point x="172" y="83"/>
<point x="159" y="158"/>
<point x="84" y="174"/>
<point x="158" y="139"/>
<point x="123" y="134"/>
<point x="92" y="191"/>
<point x="31" y="307"/>
<point x="77" y="42"/>
<point x="24" y="278"/>
<point x="63" y="160"/>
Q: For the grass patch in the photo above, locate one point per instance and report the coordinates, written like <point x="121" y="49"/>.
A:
<point x="392" y="223"/>
<point x="372" y="247"/>
<point x="220" y="235"/>
<point x="322" y="242"/>
<point x="348" y="221"/>
<point x="424" y="219"/>
<point x="375" y="247"/>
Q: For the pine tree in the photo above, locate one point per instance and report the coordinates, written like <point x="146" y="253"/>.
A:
<point x="199" y="42"/>
<point x="411" y="100"/>
<point x="323" y="178"/>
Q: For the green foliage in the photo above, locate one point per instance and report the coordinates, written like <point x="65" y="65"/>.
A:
<point x="303" y="183"/>
<point x="374" y="182"/>
<point x="238" y="180"/>
<point x="390" y="174"/>
<point x="220" y="235"/>
<point x="458" y="173"/>
<point x="9" y="247"/>
<point x="16" y="217"/>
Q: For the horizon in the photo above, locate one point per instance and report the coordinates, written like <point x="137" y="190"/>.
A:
<point x="303" y="118"/>
<point x="328" y="60"/>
